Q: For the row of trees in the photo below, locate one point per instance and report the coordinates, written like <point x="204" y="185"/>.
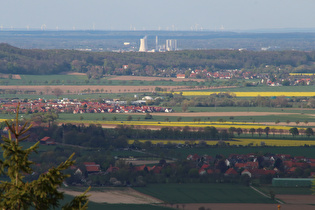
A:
<point x="96" y="136"/>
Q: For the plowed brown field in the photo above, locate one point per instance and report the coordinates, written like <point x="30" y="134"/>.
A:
<point x="74" y="89"/>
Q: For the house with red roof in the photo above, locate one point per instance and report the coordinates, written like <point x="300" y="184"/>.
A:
<point x="112" y="169"/>
<point x="182" y="76"/>
<point x="257" y="172"/>
<point x="141" y="168"/>
<point x="230" y="172"/>
<point x="155" y="169"/>
<point x="47" y="141"/>
<point x="249" y="165"/>
<point x="92" y="167"/>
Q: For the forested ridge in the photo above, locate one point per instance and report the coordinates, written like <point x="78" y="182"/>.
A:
<point x="35" y="61"/>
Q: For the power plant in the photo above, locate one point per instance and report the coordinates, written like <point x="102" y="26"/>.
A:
<point x="171" y="45"/>
<point x="143" y="45"/>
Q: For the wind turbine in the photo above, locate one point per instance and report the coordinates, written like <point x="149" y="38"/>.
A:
<point x="43" y="27"/>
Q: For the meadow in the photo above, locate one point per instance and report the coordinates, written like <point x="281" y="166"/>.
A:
<point x="285" y="190"/>
<point x="203" y="193"/>
<point x="308" y="152"/>
<point x="264" y="88"/>
<point x="249" y="93"/>
<point x="239" y="142"/>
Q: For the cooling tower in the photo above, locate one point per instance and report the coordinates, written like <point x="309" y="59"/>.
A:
<point x="143" y="45"/>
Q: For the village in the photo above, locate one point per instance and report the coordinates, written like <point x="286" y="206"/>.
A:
<point x="66" y="105"/>
<point x="253" y="166"/>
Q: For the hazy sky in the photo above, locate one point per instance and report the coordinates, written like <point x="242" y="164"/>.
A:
<point x="158" y="14"/>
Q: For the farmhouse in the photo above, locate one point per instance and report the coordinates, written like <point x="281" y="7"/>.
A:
<point x="47" y="141"/>
<point x="92" y="167"/>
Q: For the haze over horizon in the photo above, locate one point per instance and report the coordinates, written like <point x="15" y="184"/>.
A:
<point x="174" y="15"/>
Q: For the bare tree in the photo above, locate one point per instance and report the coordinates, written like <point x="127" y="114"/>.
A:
<point x="57" y="92"/>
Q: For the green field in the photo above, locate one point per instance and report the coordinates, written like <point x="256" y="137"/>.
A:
<point x="226" y="151"/>
<point x="204" y="193"/>
<point x="286" y="190"/>
<point x="136" y="117"/>
<point x="246" y="109"/>
<point x="263" y="88"/>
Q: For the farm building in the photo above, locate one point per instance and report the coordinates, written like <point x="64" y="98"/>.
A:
<point x="292" y="182"/>
<point x="47" y="141"/>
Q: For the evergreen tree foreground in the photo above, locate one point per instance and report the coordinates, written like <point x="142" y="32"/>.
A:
<point x="38" y="194"/>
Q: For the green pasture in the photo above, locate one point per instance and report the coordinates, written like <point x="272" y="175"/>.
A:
<point x="119" y="117"/>
<point x="270" y="118"/>
<point x="286" y="190"/>
<point x="308" y="152"/>
<point x="97" y="118"/>
<point x="245" y="109"/>
<point x="265" y="88"/>
<point x="203" y="193"/>
<point x="59" y="79"/>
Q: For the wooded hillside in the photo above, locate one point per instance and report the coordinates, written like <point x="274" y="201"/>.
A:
<point x="34" y="61"/>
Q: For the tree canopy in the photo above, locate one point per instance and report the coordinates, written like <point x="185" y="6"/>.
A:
<point x="39" y="194"/>
<point x="14" y="60"/>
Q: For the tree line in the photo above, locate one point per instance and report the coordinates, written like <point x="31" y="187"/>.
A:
<point x="97" y="137"/>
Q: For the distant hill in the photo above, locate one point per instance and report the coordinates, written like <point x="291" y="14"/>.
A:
<point x="105" y="41"/>
<point x="14" y="60"/>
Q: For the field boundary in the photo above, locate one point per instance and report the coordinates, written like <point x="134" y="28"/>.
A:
<point x="263" y="194"/>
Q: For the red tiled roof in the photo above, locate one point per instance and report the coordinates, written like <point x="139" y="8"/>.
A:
<point x="140" y="168"/>
<point x="112" y="169"/>
<point x="45" y="138"/>
<point x="230" y="171"/>
<point x="93" y="168"/>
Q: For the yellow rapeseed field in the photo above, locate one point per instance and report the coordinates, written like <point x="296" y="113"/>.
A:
<point x="272" y="142"/>
<point x="241" y="142"/>
<point x="301" y="74"/>
<point x="204" y="124"/>
<point x="216" y="124"/>
<point x="174" y="142"/>
<point x="250" y="94"/>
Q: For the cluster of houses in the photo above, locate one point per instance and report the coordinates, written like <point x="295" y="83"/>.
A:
<point x="247" y="75"/>
<point x="236" y="164"/>
<point x="253" y="165"/>
<point x="224" y="74"/>
<point x="75" y="107"/>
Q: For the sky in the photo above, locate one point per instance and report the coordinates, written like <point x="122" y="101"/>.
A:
<point x="228" y="15"/>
